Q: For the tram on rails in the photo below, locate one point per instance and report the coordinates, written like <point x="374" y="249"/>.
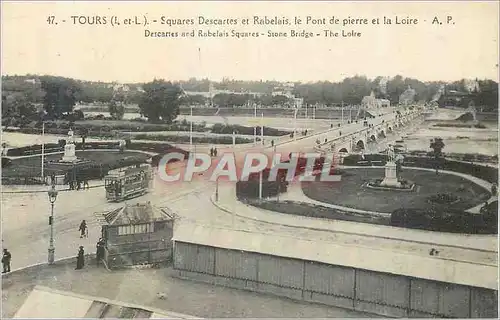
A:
<point x="128" y="183"/>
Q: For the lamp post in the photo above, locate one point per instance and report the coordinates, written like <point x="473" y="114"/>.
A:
<point x="52" y="199"/>
<point x="217" y="189"/>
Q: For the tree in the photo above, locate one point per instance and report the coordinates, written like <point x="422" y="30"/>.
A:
<point x="116" y="107"/>
<point x="16" y="109"/>
<point x="160" y="101"/>
<point x="437" y="146"/>
<point x="116" y="110"/>
<point x="61" y="95"/>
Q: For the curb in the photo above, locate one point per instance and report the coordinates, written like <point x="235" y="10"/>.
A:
<point x="62" y="190"/>
<point x="44" y="263"/>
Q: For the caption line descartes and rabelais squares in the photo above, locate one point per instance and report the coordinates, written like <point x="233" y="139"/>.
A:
<point x="249" y="27"/>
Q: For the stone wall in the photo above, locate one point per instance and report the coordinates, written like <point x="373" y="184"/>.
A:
<point x="363" y="290"/>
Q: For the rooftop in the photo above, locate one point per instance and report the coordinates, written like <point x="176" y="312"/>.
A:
<point x="134" y="214"/>
<point x="358" y="255"/>
<point x="44" y="302"/>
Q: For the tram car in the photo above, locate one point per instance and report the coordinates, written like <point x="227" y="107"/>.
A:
<point x="128" y="183"/>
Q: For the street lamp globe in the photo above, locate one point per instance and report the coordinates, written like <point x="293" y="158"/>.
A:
<point x="53" y="194"/>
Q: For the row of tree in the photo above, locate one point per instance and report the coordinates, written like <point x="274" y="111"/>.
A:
<point x="160" y="100"/>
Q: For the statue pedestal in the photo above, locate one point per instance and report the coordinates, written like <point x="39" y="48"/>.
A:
<point x="69" y="153"/>
<point x="391" y="179"/>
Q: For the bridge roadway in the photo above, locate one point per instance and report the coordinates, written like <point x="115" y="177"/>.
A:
<point x="25" y="230"/>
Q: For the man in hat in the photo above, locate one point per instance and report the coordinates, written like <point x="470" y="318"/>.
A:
<point x="6" y="260"/>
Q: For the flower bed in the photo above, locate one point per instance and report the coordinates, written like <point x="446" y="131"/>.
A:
<point x="430" y="220"/>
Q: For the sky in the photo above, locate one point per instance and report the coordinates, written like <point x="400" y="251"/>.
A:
<point x="466" y="49"/>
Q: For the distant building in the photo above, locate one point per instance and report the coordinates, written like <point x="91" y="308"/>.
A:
<point x="137" y="234"/>
<point x="407" y="97"/>
<point x="286" y="90"/>
<point x="119" y="87"/>
<point x="32" y="81"/>
<point x="371" y="102"/>
<point x="471" y="85"/>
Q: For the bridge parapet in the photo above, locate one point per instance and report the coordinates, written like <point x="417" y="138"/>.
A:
<point x="349" y="140"/>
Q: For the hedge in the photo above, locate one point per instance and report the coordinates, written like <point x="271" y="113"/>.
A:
<point x="120" y="125"/>
<point x="244" y="130"/>
<point x="6" y="162"/>
<point x="250" y="189"/>
<point x="186" y="139"/>
<point x="486" y="173"/>
<point x="445" y="220"/>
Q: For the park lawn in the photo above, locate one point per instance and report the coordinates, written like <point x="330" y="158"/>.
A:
<point x="351" y="191"/>
<point x="31" y="166"/>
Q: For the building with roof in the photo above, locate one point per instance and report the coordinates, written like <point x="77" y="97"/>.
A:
<point x="48" y="303"/>
<point x="137" y="234"/>
<point x="371" y="102"/>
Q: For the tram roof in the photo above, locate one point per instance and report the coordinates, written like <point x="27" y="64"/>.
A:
<point x="127" y="172"/>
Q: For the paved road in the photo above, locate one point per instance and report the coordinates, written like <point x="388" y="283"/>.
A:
<point x="25" y="228"/>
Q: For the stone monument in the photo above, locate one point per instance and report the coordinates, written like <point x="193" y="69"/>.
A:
<point x="70" y="149"/>
<point x="391" y="175"/>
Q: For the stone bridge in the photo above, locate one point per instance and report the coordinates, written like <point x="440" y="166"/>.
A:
<point x="358" y="138"/>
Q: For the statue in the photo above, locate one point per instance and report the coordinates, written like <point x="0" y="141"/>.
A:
<point x="390" y="153"/>
<point x="70" y="139"/>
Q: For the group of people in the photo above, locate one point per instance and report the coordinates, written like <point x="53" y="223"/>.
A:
<point x="79" y="185"/>
<point x="213" y="152"/>
<point x="80" y="257"/>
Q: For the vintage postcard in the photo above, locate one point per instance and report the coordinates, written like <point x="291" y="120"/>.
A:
<point x="249" y="159"/>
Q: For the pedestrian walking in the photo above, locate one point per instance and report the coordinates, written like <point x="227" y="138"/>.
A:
<point x="80" y="259"/>
<point x="83" y="229"/>
<point x="86" y="184"/>
<point x="78" y="185"/>
<point x="215" y="152"/>
<point x="211" y="152"/>
<point x="6" y="261"/>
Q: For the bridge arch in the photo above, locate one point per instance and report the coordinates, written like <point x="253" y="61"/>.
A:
<point x="343" y="150"/>
<point x="381" y="134"/>
<point x="373" y="138"/>
<point x="360" y="144"/>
